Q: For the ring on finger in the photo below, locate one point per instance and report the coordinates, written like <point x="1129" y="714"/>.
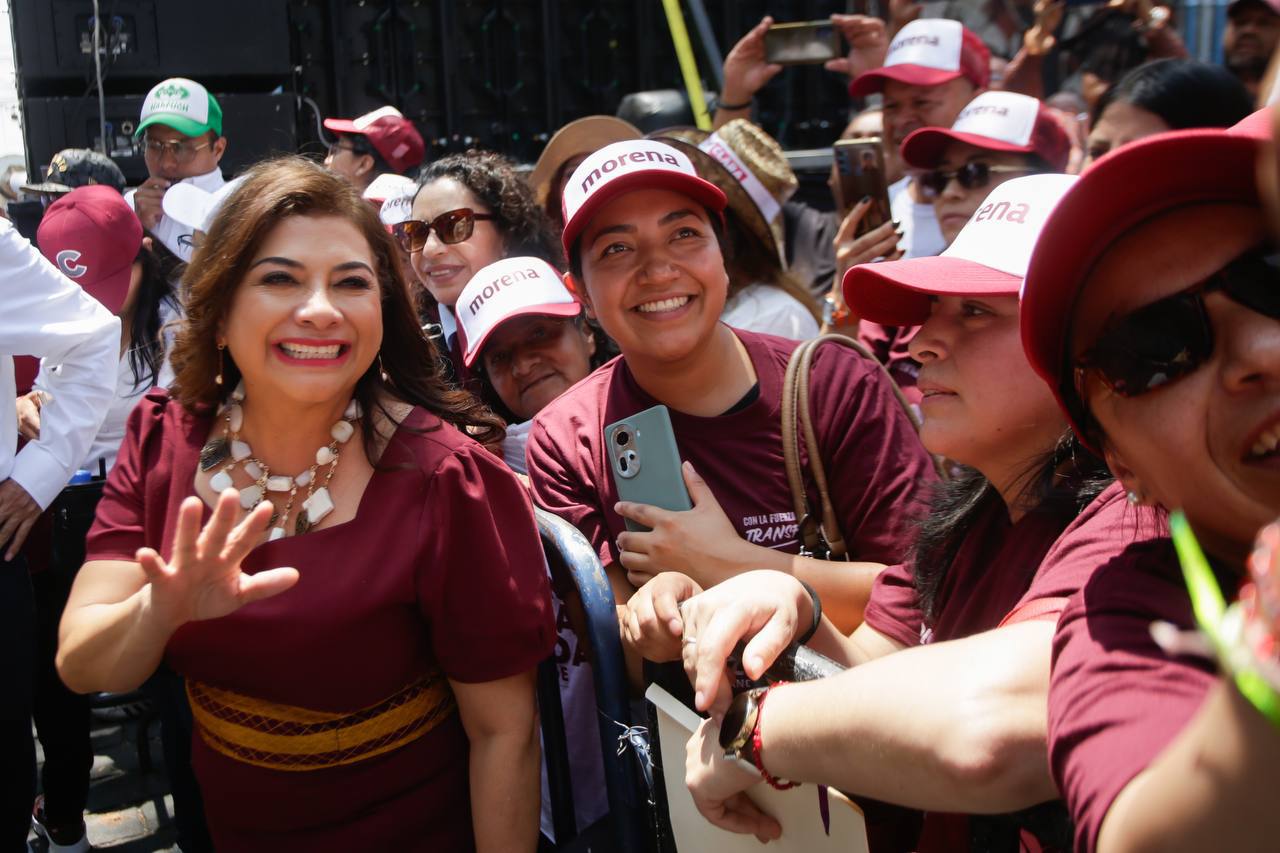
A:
<point x="688" y="641"/>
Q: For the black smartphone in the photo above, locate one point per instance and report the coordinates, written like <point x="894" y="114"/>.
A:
<point x="805" y="43"/>
<point x="859" y="171"/>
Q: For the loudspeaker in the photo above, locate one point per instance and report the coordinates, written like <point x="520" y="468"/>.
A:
<point x="145" y="41"/>
<point x="255" y="125"/>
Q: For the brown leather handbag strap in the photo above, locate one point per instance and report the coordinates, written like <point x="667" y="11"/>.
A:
<point x="797" y="421"/>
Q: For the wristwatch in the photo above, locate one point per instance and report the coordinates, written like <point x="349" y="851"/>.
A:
<point x="739" y="725"/>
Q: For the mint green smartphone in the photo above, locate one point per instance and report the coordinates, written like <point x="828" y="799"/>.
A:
<point x="645" y="462"/>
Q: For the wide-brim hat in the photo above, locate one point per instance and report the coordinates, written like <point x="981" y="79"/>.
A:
<point x="581" y="136"/>
<point x="750" y="168"/>
<point x="1124" y="188"/>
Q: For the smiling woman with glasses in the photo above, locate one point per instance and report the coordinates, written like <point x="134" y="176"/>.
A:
<point x="1151" y="310"/>
<point x="470" y="211"/>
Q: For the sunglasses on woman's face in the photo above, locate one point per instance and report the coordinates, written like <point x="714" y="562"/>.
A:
<point x="971" y="176"/>
<point x="1172" y="337"/>
<point x="454" y="226"/>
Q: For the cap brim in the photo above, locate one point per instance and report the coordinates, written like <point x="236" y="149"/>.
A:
<point x="46" y="187"/>
<point x="584" y="136"/>
<point x="702" y="191"/>
<point x="1119" y="191"/>
<point x="182" y="124"/>
<point x="557" y="309"/>
<point x="870" y="82"/>
<point x="111" y="290"/>
<point x="342" y="125"/>
<point x="897" y="293"/>
<point x="924" y="148"/>
<point x="187" y="204"/>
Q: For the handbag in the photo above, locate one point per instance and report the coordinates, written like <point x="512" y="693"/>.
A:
<point x="820" y="534"/>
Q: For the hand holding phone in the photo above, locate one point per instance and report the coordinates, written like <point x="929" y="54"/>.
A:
<point x="645" y="462"/>
<point x="859" y="174"/>
<point x="804" y="43"/>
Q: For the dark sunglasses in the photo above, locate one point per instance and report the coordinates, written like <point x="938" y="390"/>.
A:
<point x="454" y="226"/>
<point x="971" y="176"/>
<point x="1172" y="337"/>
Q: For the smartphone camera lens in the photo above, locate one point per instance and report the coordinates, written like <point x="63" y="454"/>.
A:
<point x="622" y="437"/>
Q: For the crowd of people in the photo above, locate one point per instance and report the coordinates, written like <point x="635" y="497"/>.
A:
<point x="316" y="408"/>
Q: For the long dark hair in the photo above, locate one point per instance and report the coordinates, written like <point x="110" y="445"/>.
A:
<point x="1060" y="484"/>
<point x="748" y="262"/>
<point x="145" y="347"/>
<point x="1184" y="93"/>
<point x="270" y="193"/>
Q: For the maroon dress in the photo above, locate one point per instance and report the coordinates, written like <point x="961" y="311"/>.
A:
<point x="439" y="577"/>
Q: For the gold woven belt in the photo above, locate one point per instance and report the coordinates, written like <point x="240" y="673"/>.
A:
<point x="286" y="737"/>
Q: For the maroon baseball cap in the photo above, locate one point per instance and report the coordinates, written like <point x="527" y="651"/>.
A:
<point x="997" y="121"/>
<point x="1126" y="187"/>
<point x="93" y="236"/>
<point x="929" y="52"/>
<point x="391" y="134"/>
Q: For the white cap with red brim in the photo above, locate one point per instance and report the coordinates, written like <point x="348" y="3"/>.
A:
<point x="989" y="257"/>
<point x="512" y="287"/>
<point x="995" y="121"/>
<point x="626" y="166"/>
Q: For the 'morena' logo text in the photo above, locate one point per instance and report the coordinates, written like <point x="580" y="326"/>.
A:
<point x="624" y="161"/>
<point x="496" y="285"/>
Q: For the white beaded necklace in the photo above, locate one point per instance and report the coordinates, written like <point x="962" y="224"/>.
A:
<point x="230" y="450"/>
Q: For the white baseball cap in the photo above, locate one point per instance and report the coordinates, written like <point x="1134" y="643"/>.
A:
<point x="625" y="166"/>
<point x="997" y="121"/>
<point x="512" y="287"/>
<point x="183" y="105"/>
<point x="394" y="196"/>
<point x="193" y="207"/>
<point x="989" y="256"/>
<point x="929" y="52"/>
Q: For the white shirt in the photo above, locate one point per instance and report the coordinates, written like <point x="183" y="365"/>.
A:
<point x="921" y="236"/>
<point x="47" y="314"/>
<point x="177" y="237"/>
<point x="106" y="444"/>
<point x="771" y="311"/>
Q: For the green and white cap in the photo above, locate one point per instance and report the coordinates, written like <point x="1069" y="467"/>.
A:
<point x="183" y="105"/>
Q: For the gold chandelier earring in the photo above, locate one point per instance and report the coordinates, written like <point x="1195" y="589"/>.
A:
<point x="221" y="349"/>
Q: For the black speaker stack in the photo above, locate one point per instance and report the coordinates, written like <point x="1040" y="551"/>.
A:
<point x="499" y="74"/>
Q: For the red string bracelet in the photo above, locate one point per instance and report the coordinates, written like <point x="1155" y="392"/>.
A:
<point x="774" y="782"/>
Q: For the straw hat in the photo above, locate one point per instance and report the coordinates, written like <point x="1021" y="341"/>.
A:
<point x="582" y="136"/>
<point x="749" y="166"/>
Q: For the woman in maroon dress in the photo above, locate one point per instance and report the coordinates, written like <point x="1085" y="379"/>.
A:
<point x="368" y="695"/>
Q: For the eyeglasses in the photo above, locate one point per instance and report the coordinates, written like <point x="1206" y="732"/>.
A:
<point x="971" y="176"/>
<point x="1171" y="338"/>
<point x="183" y="152"/>
<point x="454" y="226"/>
<point x="335" y="147"/>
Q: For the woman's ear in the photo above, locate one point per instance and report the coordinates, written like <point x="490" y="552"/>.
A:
<point x="148" y="244"/>
<point x="1128" y="479"/>
<point x="580" y="292"/>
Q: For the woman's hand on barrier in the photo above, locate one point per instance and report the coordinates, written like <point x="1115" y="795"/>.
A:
<point x="718" y="786"/>
<point x="653" y="626"/>
<point x="877" y="244"/>
<point x="203" y="580"/>
<point x="765" y="609"/>
<point x="701" y="543"/>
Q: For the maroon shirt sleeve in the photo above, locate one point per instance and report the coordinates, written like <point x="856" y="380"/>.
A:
<point x="119" y="526"/>
<point x="880" y="474"/>
<point x="562" y="486"/>
<point x="483" y="577"/>
<point x="1116" y="700"/>
<point x="894" y="607"/>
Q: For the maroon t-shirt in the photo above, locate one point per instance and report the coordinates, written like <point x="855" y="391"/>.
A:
<point x="890" y="345"/>
<point x="442" y="567"/>
<point x="878" y="471"/>
<point x="1116" y="700"/>
<point x="1001" y="567"/>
